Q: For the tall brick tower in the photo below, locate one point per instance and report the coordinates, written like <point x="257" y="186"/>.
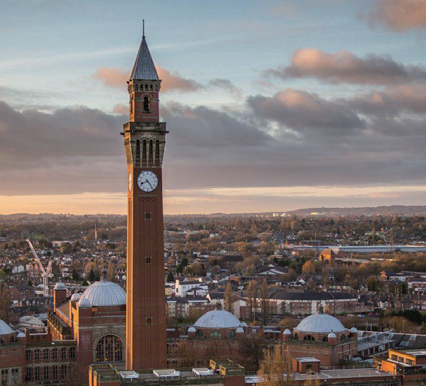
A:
<point x="144" y="141"/>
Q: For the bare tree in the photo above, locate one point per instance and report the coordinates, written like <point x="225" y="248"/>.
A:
<point x="276" y="368"/>
<point x="228" y="297"/>
<point x="5" y="303"/>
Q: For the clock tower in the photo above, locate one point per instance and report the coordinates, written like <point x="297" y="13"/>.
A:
<point x="144" y="141"/>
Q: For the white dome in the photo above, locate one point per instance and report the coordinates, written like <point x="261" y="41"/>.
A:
<point x="331" y="335"/>
<point x="104" y="293"/>
<point x="5" y="329"/>
<point x="244" y="324"/>
<point x="20" y="335"/>
<point x="75" y="297"/>
<point x="60" y="286"/>
<point x="239" y="330"/>
<point x="192" y="329"/>
<point x="320" y="323"/>
<point x="217" y="319"/>
<point x="31" y="321"/>
<point x="287" y="332"/>
<point x="84" y="303"/>
<point x="353" y="330"/>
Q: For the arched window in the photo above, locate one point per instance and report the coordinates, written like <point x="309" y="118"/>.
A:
<point x="216" y="335"/>
<point x="146" y="105"/>
<point x="343" y="337"/>
<point x="138" y="152"/>
<point x="150" y="154"/>
<point x="144" y="153"/>
<point x="308" y="337"/>
<point x="296" y="336"/>
<point x="325" y="339"/>
<point x="157" y="153"/>
<point x="109" y="349"/>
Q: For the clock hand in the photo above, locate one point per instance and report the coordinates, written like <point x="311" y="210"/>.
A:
<point x="149" y="183"/>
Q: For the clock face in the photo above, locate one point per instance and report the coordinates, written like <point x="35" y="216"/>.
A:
<point x="130" y="181"/>
<point x="147" y="181"/>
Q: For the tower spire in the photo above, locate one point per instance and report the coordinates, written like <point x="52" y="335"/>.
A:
<point x="144" y="68"/>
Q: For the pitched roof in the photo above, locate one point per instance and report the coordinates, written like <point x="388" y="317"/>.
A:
<point x="144" y="68"/>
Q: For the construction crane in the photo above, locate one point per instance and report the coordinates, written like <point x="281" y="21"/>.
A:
<point x="45" y="273"/>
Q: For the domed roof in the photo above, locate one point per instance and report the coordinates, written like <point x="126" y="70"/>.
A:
<point x="239" y="330"/>
<point x="331" y="335"/>
<point x="5" y="329"/>
<point x="244" y="324"/>
<point x="75" y="297"/>
<point x="287" y="332"/>
<point x="320" y="323"/>
<point x="84" y="303"/>
<point x="217" y="319"/>
<point x="20" y="335"/>
<point x="104" y="293"/>
<point x="29" y="320"/>
<point x="353" y="330"/>
<point x="60" y="286"/>
<point x="192" y="329"/>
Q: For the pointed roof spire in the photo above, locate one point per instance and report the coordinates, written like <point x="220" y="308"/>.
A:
<point x="144" y="68"/>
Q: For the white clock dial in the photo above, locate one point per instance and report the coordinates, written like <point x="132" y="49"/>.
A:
<point x="147" y="181"/>
<point x="130" y="181"/>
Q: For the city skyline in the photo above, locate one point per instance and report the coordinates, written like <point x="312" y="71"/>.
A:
<point x="271" y="106"/>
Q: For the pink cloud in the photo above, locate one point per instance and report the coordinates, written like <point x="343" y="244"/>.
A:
<point x="117" y="77"/>
<point x="399" y="15"/>
<point x="345" y="67"/>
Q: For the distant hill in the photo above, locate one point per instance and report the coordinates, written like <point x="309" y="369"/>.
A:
<point x="397" y="210"/>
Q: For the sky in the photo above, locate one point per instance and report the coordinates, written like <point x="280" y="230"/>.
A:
<point x="271" y="105"/>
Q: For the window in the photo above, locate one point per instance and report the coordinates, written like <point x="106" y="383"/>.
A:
<point x="4" y="377"/>
<point x="29" y="374"/>
<point x="148" y="260"/>
<point x="109" y="349"/>
<point x="29" y="355"/>
<point x="72" y="352"/>
<point x="45" y="354"/>
<point x="55" y="353"/>
<point x="157" y="153"/>
<point x="343" y="337"/>
<point x="15" y="377"/>
<point x="63" y="371"/>
<point x="147" y="216"/>
<point x="55" y="373"/>
<point x="46" y="373"/>
<point x="146" y="105"/>
<point x="63" y="353"/>
<point x="150" y="153"/>
<point x="309" y="337"/>
<point x="36" y="355"/>
<point x="37" y="373"/>
<point x="149" y="321"/>
<point x="138" y="153"/>
<point x="144" y="152"/>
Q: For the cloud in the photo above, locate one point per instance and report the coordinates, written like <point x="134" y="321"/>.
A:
<point x="227" y="85"/>
<point x="175" y="82"/>
<point x="291" y="139"/>
<point x="112" y="77"/>
<point x="392" y="101"/>
<point x="117" y="78"/>
<point x="301" y="110"/>
<point x="399" y="15"/>
<point x="345" y="67"/>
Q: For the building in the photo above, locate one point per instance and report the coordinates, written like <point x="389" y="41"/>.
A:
<point x="410" y="365"/>
<point x="144" y="142"/>
<point x="323" y="337"/>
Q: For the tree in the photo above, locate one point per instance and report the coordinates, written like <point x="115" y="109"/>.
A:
<point x="276" y="367"/>
<point x="74" y="275"/>
<point x="308" y="268"/>
<point x="111" y="271"/>
<point x="264" y="299"/>
<point x="312" y="381"/>
<point x="92" y="276"/>
<point x="5" y="303"/>
<point x="252" y="296"/>
<point x="187" y="354"/>
<point x="228" y="297"/>
<point x="170" y="277"/>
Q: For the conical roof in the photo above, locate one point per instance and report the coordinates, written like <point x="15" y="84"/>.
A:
<point x="144" y="68"/>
